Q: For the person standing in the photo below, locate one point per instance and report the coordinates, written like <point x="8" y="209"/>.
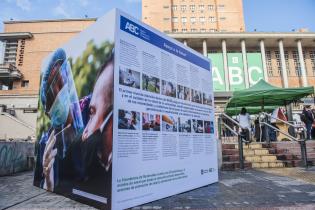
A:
<point x="244" y="120"/>
<point x="308" y="119"/>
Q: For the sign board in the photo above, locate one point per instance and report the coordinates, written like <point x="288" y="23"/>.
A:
<point x="126" y="117"/>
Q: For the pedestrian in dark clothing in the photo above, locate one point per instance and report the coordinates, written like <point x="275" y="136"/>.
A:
<point x="308" y="119"/>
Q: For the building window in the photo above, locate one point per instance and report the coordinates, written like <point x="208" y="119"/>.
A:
<point x="192" y="8"/>
<point x="312" y="57"/>
<point x="221" y="7"/>
<point x="175" y="30"/>
<point x="297" y="63"/>
<point x="213" y="51"/>
<point x="203" y="30"/>
<point x="184" y="20"/>
<point x="183" y="8"/>
<point x="210" y="7"/>
<point x="184" y="30"/>
<point x="25" y="83"/>
<point x="166" y="7"/>
<point x="202" y="19"/>
<point x="10" y="51"/>
<point x="212" y="19"/>
<point x="277" y="54"/>
<point x="192" y="19"/>
<point x="166" y="19"/>
<point x="175" y="19"/>
<point x="193" y="30"/>
<point x="269" y="64"/>
<point x="286" y="57"/>
<point x="212" y="30"/>
<point x="174" y="7"/>
<point x="222" y="18"/>
<point x="201" y="7"/>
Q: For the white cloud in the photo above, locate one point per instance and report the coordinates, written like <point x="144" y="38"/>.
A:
<point x="61" y="10"/>
<point x="24" y="4"/>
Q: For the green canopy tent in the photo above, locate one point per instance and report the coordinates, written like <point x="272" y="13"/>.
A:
<point x="263" y="94"/>
<point x="250" y="109"/>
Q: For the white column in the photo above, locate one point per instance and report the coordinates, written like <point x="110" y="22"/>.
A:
<point x="226" y="68"/>
<point x="283" y="66"/>
<point x="245" y="63"/>
<point x="302" y="64"/>
<point x="204" y="47"/>
<point x="263" y="57"/>
<point x="185" y="42"/>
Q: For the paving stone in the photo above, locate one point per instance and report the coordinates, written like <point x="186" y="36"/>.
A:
<point x="259" y="189"/>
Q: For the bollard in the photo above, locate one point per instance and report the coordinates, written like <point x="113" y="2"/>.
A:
<point x="240" y="148"/>
<point x="304" y="153"/>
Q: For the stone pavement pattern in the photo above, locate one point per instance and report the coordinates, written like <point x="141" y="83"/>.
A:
<point x="264" y="189"/>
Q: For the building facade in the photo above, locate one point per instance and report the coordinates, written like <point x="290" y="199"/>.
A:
<point x="23" y="46"/>
<point x="239" y="60"/>
<point x="194" y="16"/>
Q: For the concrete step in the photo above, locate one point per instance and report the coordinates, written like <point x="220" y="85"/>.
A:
<point x="231" y="166"/>
<point x="229" y="152"/>
<point x="275" y="164"/>
<point x="228" y="158"/>
<point x="261" y="158"/>
<point x="251" y="146"/>
<point x="228" y="146"/>
<point x="259" y="151"/>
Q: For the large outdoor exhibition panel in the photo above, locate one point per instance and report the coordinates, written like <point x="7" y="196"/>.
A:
<point x="126" y="116"/>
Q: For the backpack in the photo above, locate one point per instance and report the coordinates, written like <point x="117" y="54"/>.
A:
<point x="303" y="117"/>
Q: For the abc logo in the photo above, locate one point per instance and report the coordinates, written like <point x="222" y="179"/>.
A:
<point x="132" y="28"/>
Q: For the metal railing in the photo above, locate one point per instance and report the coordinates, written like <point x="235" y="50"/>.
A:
<point x="302" y="142"/>
<point x="240" y="137"/>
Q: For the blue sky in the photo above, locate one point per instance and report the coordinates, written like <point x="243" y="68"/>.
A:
<point x="263" y="15"/>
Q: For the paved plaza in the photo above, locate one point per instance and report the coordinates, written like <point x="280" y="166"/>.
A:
<point x="286" y="188"/>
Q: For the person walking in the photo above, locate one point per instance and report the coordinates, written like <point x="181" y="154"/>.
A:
<point x="308" y="118"/>
<point x="244" y="120"/>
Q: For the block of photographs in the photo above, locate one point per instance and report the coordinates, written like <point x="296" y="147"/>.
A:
<point x="151" y="84"/>
<point x="207" y="99"/>
<point x="128" y="77"/>
<point x="168" y="88"/>
<point x="151" y="122"/>
<point x="196" y="96"/>
<point x="184" y="125"/>
<point x="197" y="126"/>
<point x="128" y="120"/>
<point x="169" y="123"/>
<point x="183" y="93"/>
<point x="209" y="127"/>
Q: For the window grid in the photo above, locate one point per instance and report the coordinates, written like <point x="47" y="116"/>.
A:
<point x="312" y="57"/>
<point x="297" y="64"/>
<point x="277" y="54"/>
<point x="286" y="57"/>
<point x="269" y="64"/>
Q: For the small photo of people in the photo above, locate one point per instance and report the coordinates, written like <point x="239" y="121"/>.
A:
<point x="151" y="84"/>
<point x="183" y="93"/>
<point x="168" y="89"/>
<point x="196" y="96"/>
<point x="128" y="120"/>
<point x="128" y="77"/>
<point x="169" y="123"/>
<point x="208" y="126"/>
<point x="197" y="126"/>
<point x="184" y="125"/>
<point x="207" y="99"/>
<point x="151" y="122"/>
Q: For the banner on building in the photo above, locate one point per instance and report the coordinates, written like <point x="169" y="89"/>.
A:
<point x="235" y="70"/>
<point x="126" y="116"/>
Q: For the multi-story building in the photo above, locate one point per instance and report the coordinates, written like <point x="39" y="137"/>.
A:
<point x="239" y="59"/>
<point x="194" y="16"/>
<point x="23" y="45"/>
